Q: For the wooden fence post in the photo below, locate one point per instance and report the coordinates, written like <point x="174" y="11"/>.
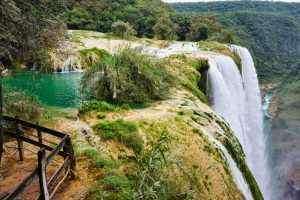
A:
<point x="42" y="174"/>
<point x="39" y="135"/>
<point x="72" y="158"/>
<point x="1" y="125"/>
<point x="20" y="133"/>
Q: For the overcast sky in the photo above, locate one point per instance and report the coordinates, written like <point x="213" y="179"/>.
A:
<point x="173" y="1"/>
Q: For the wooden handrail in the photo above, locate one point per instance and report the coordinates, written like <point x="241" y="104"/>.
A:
<point x="34" y="126"/>
<point x="63" y="148"/>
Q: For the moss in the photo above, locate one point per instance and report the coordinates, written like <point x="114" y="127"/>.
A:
<point x="98" y="160"/>
<point x="222" y="49"/>
<point x="101" y="106"/>
<point x="235" y="150"/>
<point x="101" y="116"/>
<point x="195" y="90"/>
<point x="123" y="131"/>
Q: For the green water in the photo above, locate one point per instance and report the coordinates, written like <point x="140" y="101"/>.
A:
<point x="53" y="90"/>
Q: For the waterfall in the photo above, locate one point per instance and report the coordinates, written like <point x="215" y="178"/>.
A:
<point x="237" y="99"/>
<point x="256" y="153"/>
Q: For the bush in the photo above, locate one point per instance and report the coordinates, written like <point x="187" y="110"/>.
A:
<point x="21" y="104"/>
<point x="122" y="29"/>
<point x="98" y="160"/>
<point x="123" y="131"/>
<point x="165" y="29"/>
<point x="101" y="106"/>
<point x="112" y="187"/>
<point x="128" y="76"/>
<point x="92" y="56"/>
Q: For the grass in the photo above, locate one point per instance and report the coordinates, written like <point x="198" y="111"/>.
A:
<point x="222" y="49"/>
<point x="129" y="76"/>
<point x="22" y="104"/>
<point x="113" y="187"/>
<point x="101" y="106"/>
<point x="92" y="56"/>
<point x="98" y="160"/>
<point x="123" y="131"/>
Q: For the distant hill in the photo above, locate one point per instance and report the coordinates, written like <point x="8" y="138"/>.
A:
<point x="270" y="30"/>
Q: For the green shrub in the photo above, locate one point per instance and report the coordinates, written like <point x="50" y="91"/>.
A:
<point x="115" y="182"/>
<point x="91" y="56"/>
<point x="98" y="160"/>
<point x="23" y="105"/>
<point x="122" y="29"/>
<point x="112" y="187"/>
<point x="101" y="106"/>
<point x="128" y="76"/>
<point x="101" y="116"/>
<point x="123" y="131"/>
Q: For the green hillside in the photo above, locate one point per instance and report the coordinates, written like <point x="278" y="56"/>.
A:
<point x="270" y="30"/>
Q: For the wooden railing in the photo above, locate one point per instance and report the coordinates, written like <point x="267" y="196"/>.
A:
<point x="63" y="148"/>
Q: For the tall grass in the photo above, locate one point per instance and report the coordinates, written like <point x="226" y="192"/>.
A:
<point x="22" y="104"/>
<point x="128" y="76"/>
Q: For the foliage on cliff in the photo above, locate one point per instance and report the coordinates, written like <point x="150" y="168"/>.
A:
<point x="128" y="76"/>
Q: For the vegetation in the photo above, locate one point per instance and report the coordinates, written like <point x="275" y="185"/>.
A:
<point x="222" y="49"/>
<point x="202" y="27"/>
<point x="147" y="183"/>
<point x="26" y="27"/>
<point x="165" y="29"/>
<point x="23" y="105"/>
<point x="128" y="76"/>
<point x="122" y="29"/>
<point x="97" y="159"/>
<point x="270" y="30"/>
<point x="100" y="15"/>
<point x="123" y="131"/>
<point x="91" y="56"/>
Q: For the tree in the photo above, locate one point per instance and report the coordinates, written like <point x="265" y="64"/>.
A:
<point x="27" y="26"/>
<point x="122" y="29"/>
<point x="202" y="27"/>
<point x="165" y="29"/>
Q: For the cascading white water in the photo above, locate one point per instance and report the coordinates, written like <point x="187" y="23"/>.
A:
<point x="256" y="151"/>
<point x="228" y="95"/>
<point x="237" y="99"/>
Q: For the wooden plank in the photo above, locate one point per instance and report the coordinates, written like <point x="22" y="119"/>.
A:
<point x="59" y="184"/>
<point x="35" y="126"/>
<point x="30" y="141"/>
<point x="42" y="174"/>
<point x="56" y="150"/>
<point x="22" y="186"/>
<point x="57" y="173"/>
